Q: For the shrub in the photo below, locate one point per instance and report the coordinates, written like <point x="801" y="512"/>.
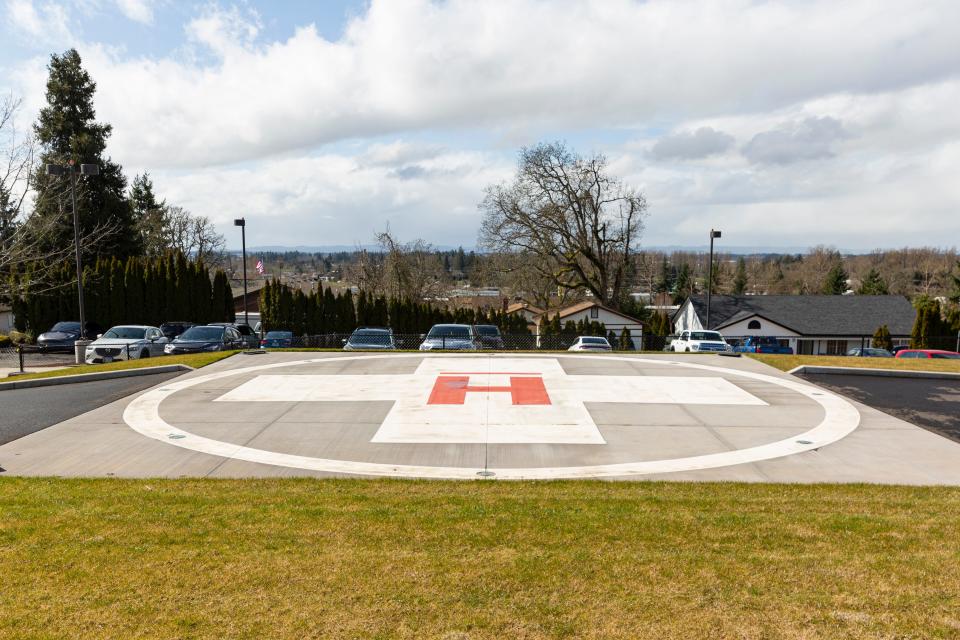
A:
<point x="17" y="337"/>
<point x="5" y="341"/>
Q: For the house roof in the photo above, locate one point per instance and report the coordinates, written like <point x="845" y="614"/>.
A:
<point x="813" y="315"/>
<point x="587" y="304"/>
<point x="523" y="306"/>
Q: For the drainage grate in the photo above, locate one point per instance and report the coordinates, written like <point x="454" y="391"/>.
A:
<point x="486" y="473"/>
<point x="176" y="436"/>
<point x="804" y="441"/>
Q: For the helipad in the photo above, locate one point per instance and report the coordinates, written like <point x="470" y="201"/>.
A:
<point x="489" y="415"/>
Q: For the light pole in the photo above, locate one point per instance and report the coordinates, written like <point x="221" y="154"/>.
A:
<point x="85" y="170"/>
<point x="242" y="223"/>
<point x="713" y="234"/>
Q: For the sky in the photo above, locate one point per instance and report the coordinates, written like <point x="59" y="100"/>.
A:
<point x="784" y="124"/>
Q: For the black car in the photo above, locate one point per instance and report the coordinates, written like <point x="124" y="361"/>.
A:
<point x="205" y="338"/>
<point x="489" y="335"/>
<point x="370" y="339"/>
<point x="171" y="330"/>
<point x="250" y="338"/>
<point x="63" y="335"/>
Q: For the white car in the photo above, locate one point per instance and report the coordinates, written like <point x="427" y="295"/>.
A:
<point x="700" y="341"/>
<point x="126" y="342"/>
<point x="590" y="343"/>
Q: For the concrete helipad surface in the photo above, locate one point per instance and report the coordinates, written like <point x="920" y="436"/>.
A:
<point x="481" y="415"/>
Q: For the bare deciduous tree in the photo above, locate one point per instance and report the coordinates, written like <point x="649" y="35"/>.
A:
<point x="575" y="224"/>
<point x="409" y="270"/>
<point x="193" y="235"/>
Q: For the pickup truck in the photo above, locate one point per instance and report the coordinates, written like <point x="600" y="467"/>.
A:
<point x="700" y="341"/>
<point x="762" y="344"/>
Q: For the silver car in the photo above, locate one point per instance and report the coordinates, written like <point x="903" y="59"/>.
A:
<point x="451" y="337"/>
<point x="126" y="342"/>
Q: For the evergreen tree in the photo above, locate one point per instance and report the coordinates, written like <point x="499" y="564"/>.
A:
<point x="836" y="281"/>
<point x="882" y="339"/>
<point x="67" y="132"/>
<point x="626" y="340"/>
<point x="873" y="284"/>
<point x="149" y="216"/>
<point x="740" y="278"/>
<point x="133" y="285"/>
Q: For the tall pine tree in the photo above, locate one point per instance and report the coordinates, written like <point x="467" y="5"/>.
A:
<point x="67" y="132"/>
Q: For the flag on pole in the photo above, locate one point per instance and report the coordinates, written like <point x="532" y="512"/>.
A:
<point x="260" y="267"/>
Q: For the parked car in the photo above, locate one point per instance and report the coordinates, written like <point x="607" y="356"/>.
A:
<point x="370" y="339"/>
<point x="206" y="338"/>
<point x="489" y="336"/>
<point x="250" y="337"/>
<point x="456" y="337"/>
<point x="277" y="340"/>
<point x="63" y="335"/>
<point x="762" y="344"/>
<point x="126" y="342"/>
<point x="700" y="341"/>
<point x="870" y="352"/>
<point x="173" y="329"/>
<point x="928" y="353"/>
<point x="590" y="343"/>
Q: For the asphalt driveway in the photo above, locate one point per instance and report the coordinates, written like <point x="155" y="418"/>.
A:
<point x="930" y="403"/>
<point x="24" y="411"/>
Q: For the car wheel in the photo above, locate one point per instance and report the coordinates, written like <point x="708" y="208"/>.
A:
<point x="144" y="354"/>
<point x="687" y="349"/>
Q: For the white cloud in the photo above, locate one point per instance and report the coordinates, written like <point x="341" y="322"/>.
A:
<point x="136" y="10"/>
<point x="690" y="145"/>
<point x="47" y="23"/>
<point x="413" y="64"/>
<point x="809" y="139"/>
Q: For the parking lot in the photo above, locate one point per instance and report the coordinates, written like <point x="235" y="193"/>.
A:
<point x="504" y="416"/>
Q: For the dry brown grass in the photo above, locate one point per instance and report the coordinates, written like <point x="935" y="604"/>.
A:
<point x="786" y="363"/>
<point x="396" y="559"/>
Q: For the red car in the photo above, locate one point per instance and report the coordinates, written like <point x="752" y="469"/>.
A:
<point x="928" y="353"/>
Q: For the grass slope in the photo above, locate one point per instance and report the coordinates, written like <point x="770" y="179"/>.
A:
<point x="786" y="363"/>
<point x="399" y="559"/>
<point x="195" y="360"/>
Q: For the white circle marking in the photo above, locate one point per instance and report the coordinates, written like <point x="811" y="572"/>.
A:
<point x="840" y="419"/>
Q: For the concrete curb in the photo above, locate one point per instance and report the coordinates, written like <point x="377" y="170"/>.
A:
<point x="879" y="373"/>
<point x="92" y="377"/>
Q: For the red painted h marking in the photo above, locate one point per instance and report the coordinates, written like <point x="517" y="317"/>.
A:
<point x="454" y="390"/>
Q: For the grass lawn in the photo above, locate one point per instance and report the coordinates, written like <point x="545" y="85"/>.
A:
<point x="405" y="559"/>
<point x="786" y="363"/>
<point x="195" y="360"/>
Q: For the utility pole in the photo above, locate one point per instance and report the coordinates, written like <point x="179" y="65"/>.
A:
<point x="242" y="223"/>
<point x="85" y="170"/>
<point x="713" y="234"/>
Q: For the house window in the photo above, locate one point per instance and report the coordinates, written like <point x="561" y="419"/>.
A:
<point x="836" y="347"/>
<point x="754" y="324"/>
<point x="594" y="312"/>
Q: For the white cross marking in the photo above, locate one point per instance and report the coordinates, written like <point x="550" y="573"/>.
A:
<point x="490" y="416"/>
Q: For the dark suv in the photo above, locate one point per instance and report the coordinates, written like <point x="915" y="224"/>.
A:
<point x="250" y="338"/>
<point x="488" y="336"/>
<point x="171" y="330"/>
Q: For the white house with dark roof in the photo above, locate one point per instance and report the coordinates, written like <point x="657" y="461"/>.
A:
<point x="819" y="325"/>
<point x="592" y="311"/>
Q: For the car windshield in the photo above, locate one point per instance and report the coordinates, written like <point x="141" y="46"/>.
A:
<point x="449" y="331"/>
<point x="202" y="333"/>
<point x="593" y="341"/>
<point x="946" y="356"/>
<point x="370" y="336"/>
<point x="126" y="333"/>
<point x="488" y="330"/>
<point x="66" y="326"/>
<point x="712" y="336"/>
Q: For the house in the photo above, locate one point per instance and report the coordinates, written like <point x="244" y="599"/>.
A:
<point x="593" y="311"/>
<point x="818" y="325"/>
<point x="527" y="310"/>
<point x="6" y="319"/>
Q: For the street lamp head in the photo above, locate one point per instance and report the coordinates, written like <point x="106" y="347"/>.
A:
<point x="89" y="169"/>
<point x="55" y="170"/>
<point x="714" y="233"/>
<point x="240" y="222"/>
